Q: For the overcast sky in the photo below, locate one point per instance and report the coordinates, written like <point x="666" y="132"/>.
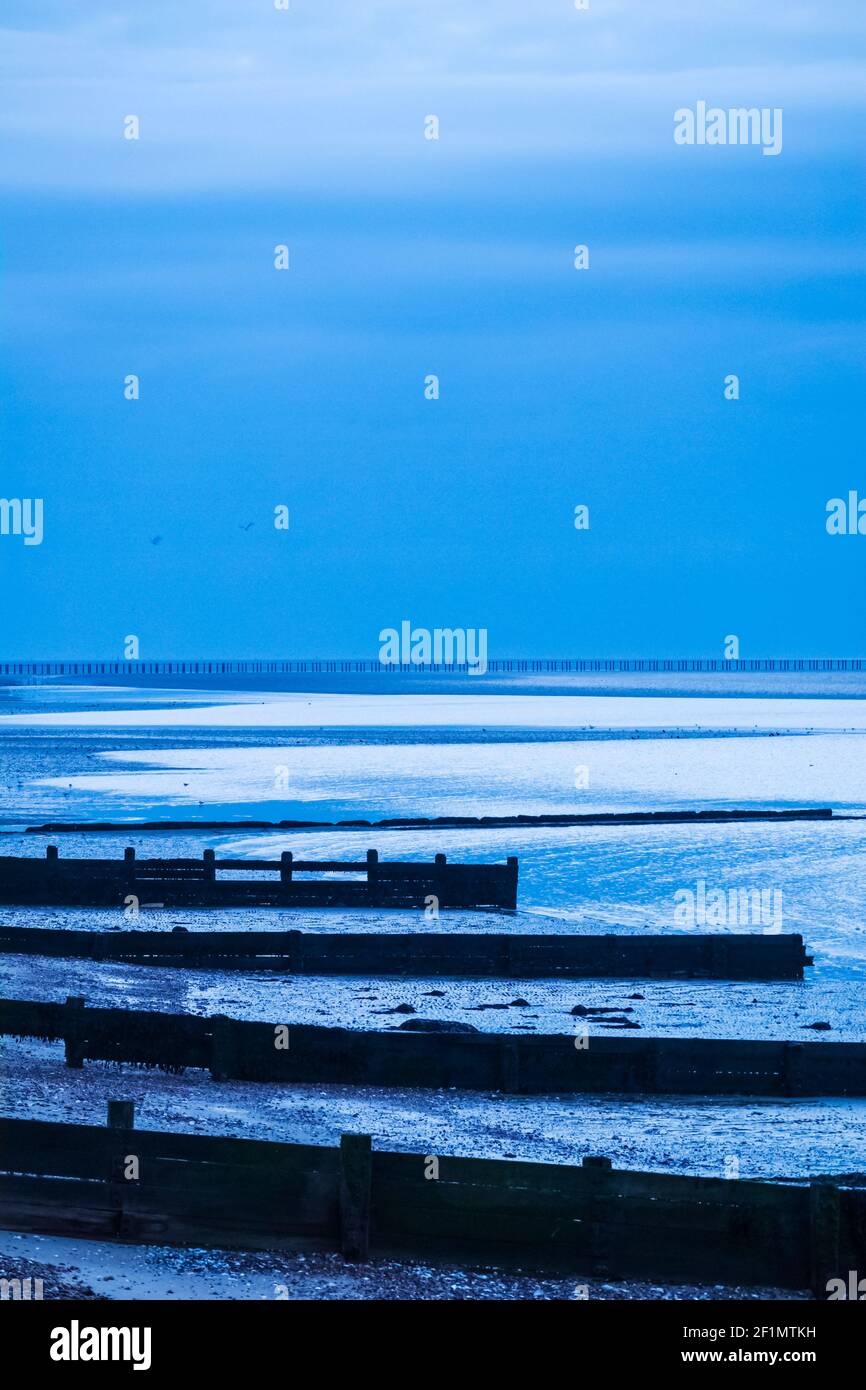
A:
<point x="410" y="257"/>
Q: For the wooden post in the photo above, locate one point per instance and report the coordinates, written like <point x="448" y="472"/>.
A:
<point x="295" y="950"/>
<point x="222" y="1057"/>
<point x="792" y="1069"/>
<point x="596" y="1168"/>
<point x="285" y="875"/>
<point x="823" y="1236"/>
<point x="356" y="1172"/>
<point x="719" y="957"/>
<point x="372" y="873"/>
<point x="121" y="1114"/>
<point x="511" y="861"/>
<point x="441" y="879"/>
<point x="52" y="868"/>
<point x="73" y="1031"/>
<point x="129" y="865"/>
<point x="209" y="859"/>
<point x="506" y="959"/>
<point x="650" y="1067"/>
<point x="510" y="1068"/>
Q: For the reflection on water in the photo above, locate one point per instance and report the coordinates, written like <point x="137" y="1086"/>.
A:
<point x="593" y="878"/>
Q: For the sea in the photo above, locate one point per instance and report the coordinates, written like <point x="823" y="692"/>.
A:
<point x="173" y="753"/>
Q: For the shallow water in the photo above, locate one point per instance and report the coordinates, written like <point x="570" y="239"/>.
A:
<point x="595" y="878"/>
<point x="338" y="779"/>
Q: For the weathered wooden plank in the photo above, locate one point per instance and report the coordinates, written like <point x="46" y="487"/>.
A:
<point x="173" y="1216"/>
<point x="852" y="1236"/>
<point x="355" y="1184"/>
<point x="30" y="1018"/>
<point x="566" y="1183"/>
<point x="58" y="1206"/>
<point x="824" y="1220"/>
<point x="535" y="1064"/>
<point x="442" y="1200"/>
<point x="589" y="1219"/>
<point x="216" y="1208"/>
<point x="46" y="1147"/>
<point x="179" y="882"/>
<point x="443" y="955"/>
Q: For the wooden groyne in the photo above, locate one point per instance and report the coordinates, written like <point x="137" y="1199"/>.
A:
<point x="498" y="955"/>
<point x="596" y="1220"/>
<point x="418" y="1055"/>
<point x="710" y="816"/>
<point x="370" y="882"/>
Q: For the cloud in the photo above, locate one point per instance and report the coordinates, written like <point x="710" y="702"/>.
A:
<point x="250" y="97"/>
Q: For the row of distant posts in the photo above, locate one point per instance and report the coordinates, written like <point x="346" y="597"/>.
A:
<point x="209" y="862"/>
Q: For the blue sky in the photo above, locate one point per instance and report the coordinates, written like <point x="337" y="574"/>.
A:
<point x="411" y="257"/>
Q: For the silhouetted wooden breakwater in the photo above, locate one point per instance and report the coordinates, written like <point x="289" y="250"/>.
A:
<point x="425" y="1058"/>
<point x="198" y="883"/>
<point x="73" y="1180"/>
<point x="719" y="956"/>
<point x="709" y="816"/>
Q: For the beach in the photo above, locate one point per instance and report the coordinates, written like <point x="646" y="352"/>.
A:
<point x="166" y="757"/>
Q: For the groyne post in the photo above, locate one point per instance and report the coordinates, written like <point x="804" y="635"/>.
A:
<point x="121" y="1114"/>
<point x="356" y="1172"/>
<point x="73" y="1031"/>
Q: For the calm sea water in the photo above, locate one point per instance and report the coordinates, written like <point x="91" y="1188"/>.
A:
<point x="62" y="758"/>
<point x="73" y="754"/>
